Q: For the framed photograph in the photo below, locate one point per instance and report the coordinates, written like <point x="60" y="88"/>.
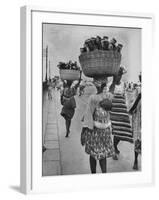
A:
<point x="84" y="122"/>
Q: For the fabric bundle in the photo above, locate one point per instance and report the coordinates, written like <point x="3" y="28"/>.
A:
<point x="121" y="126"/>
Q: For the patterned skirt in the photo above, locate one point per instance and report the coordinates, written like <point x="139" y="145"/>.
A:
<point x="98" y="143"/>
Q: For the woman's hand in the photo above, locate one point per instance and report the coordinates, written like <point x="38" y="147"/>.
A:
<point x="83" y="136"/>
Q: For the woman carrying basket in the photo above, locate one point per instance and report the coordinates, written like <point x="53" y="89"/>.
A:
<point x="121" y="125"/>
<point x="135" y="110"/>
<point x="68" y="102"/>
<point x="96" y="132"/>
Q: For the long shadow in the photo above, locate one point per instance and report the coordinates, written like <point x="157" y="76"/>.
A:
<point x="15" y="188"/>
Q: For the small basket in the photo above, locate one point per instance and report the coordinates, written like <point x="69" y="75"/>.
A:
<point x="99" y="63"/>
<point x="69" y="74"/>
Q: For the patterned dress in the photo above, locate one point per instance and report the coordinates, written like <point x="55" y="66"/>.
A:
<point x="121" y="124"/>
<point x="98" y="142"/>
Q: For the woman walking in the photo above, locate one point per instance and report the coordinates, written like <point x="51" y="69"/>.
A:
<point x="68" y="102"/>
<point x="121" y="126"/>
<point x="96" y="132"/>
<point x="135" y="110"/>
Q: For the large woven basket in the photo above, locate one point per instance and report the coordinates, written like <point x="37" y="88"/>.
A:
<point x="99" y="62"/>
<point x="69" y="74"/>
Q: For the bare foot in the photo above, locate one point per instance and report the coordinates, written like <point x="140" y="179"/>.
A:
<point x="135" y="167"/>
<point x="117" y="151"/>
<point x="67" y="134"/>
<point x="115" y="157"/>
<point x="44" y="149"/>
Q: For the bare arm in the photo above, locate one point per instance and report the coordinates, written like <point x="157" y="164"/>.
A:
<point x="124" y="70"/>
<point x="88" y="115"/>
<point x="112" y="88"/>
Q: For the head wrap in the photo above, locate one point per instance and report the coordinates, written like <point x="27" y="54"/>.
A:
<point x="99" y="81"/>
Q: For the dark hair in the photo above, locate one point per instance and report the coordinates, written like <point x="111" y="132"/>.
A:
<point x="103" y="86"/>
<point x="69" y="83"/>
<point x="106" y="104"/>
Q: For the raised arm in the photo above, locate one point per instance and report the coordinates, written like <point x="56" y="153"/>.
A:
<point x="112" y="87"/>
<point x="117" y="78"/>
<point x="64" y="83"/>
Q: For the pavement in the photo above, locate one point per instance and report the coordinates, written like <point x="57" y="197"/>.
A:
<point x="51" y="157"/>
<point x="66" y="156"/>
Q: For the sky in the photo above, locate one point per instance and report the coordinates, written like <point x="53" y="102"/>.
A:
<point x="64" y="43"/>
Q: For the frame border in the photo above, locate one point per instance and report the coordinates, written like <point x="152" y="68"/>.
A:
<point x="26" y="82"/>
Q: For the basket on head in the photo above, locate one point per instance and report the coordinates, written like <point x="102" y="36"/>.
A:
<point x="69" y="74"/>
<point x="99" y="62"/>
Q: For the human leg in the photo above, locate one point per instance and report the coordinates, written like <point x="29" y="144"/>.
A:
<point x="135" y="167"/>
<point x="103" y="165"/>
<point x="93" y="164"/>
<point x="68" y="124"/>
<point x="116" y="141"/>
<point x="137" y="151"/>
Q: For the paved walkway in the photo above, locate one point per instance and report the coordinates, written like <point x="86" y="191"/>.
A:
<point x="51" y="157"/>
<point x="66" y="156"/>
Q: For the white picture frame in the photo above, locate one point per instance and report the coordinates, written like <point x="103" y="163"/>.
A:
<point x="31" y="169"/>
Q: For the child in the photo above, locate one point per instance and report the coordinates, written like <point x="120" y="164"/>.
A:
<point x="101" y="114"/>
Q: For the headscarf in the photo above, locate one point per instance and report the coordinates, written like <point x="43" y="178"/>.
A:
<point x="99" y="81"/>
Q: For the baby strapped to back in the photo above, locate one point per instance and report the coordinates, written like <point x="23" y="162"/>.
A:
<point x="101" y="114"/>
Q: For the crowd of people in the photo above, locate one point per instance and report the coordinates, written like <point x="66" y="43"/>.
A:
<point x="131" y="86"/>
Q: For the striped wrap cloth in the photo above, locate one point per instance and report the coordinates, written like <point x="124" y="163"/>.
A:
<point x="121" y="126"/>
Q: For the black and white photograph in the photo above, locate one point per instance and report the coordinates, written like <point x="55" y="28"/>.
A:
<point x="74" y="124"/>
<point x="91" y="99"/>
